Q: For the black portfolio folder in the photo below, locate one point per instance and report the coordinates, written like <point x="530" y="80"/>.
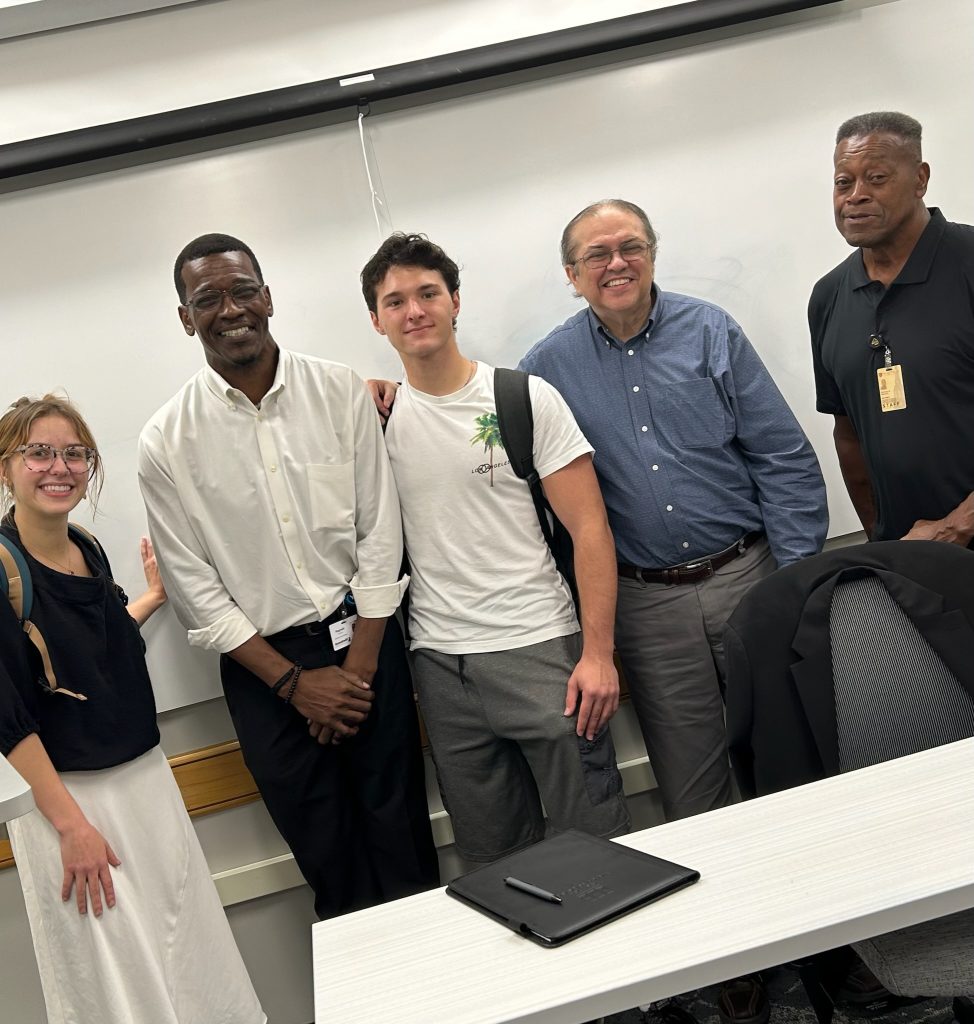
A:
<point x="582" y="882"/>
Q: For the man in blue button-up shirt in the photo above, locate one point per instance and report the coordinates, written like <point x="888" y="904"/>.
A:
<point x="708" y="480"/>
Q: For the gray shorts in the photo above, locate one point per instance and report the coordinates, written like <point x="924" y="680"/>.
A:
<point x="502" y="746"/>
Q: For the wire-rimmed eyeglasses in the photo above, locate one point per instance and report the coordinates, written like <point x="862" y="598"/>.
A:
<point x="240" y="295"/>
<point x="629" y="251"/>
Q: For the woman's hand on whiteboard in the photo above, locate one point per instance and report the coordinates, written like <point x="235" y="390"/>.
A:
<point x="383" y="393"/>
<point x="87" y="859"/>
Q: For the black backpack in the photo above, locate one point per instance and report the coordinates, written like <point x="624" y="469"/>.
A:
<point x="515" y="420"/>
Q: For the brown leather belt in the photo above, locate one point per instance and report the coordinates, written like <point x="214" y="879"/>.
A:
<point x="691" y="572"/>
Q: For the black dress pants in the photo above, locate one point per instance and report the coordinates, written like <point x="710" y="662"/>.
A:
<point x="354" y="814"/>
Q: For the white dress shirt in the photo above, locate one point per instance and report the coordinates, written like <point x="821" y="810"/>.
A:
<point x="264" y="518"/>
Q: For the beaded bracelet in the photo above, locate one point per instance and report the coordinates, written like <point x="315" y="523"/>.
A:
<point x="294" y="682"/>
<point x="282" y="682"/>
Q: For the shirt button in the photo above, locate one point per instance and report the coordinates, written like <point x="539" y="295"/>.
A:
<point x="669" y="508"/>
<point x="686" y="543"/>
<point x="285" y="518"/>
<point x="644" y="429"/>
<point x="635" y="387"/>
<point x="273" y="468"/>
<point x="298" y="565"/>
<point x="631" y="352"/>
<point x="655" y="468"/>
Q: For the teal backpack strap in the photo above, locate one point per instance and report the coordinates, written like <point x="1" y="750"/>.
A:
<point x="15" y="579"/>
<point x="15" y="582"/>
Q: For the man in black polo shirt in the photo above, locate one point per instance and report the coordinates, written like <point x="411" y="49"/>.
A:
<point x="893" y="340"/>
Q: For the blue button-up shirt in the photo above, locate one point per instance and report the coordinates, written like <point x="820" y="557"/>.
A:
<point x="695" y="445"/>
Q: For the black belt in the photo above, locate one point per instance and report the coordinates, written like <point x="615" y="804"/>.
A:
<point x="312" y="628"/>
<point x="691" y="572"/>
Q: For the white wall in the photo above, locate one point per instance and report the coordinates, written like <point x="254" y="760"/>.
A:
<point x="726" y="141"/>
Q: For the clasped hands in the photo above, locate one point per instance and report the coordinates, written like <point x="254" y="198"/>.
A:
<point x="334" y="700"/>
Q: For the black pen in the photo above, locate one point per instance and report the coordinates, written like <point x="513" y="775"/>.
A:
<point x="532" y="890"/>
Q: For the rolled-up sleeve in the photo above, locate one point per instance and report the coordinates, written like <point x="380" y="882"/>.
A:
<point x="376" y="586"/>
<point x="200" y="600"/>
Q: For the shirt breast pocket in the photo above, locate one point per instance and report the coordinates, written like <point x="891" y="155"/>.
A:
<point x="331" y="495"/>
<point x="692" y="414"/>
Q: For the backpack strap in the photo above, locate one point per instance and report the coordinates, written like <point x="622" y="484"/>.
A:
<point x="15" y="579"/>
<point x="16" y="583"/>
<point x="88" y="541"/>
<point x="515" y="421"/>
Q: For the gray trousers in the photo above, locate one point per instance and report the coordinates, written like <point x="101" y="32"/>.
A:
<point x="502" y="745"/>
<point x="670" y="642"/>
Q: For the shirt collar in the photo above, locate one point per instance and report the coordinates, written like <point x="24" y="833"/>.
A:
<point x="602" y="333"/>
<point x="917" y="267"/>
<point x="230" y="395"/>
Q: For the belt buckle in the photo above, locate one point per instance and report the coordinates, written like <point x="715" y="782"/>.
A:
<point x="702" y="563"/>
<point x="314" y="628"/>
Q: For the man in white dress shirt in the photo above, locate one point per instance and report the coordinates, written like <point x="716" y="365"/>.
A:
<point x="275" y="520"/>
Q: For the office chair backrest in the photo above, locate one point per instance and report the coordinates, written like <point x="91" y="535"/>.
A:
<point x="893" y="694"/>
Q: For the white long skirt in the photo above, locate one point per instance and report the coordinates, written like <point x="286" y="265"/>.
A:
<point x="165" y="953"/>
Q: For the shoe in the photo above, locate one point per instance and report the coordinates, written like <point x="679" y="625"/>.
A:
<point x="744" y="1001"/>
<point x="866" y="996"/>
<point x="667" y="1011"/>
<point x="963" y="1008"/>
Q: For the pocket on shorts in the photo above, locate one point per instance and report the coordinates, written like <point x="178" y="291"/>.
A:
<point x="599" y="769"/>
<point x="331" y="493"/>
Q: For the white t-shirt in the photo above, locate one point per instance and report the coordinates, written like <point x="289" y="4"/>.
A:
<point x="483" y="578"/>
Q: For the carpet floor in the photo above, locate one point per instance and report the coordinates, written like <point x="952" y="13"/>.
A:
<point x="789" y="1005"/>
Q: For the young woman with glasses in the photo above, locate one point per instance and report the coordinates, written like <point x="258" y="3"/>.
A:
<point x="126" y="922"/>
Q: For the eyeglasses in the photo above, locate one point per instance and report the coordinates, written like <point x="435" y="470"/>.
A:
<point x="630" y="252"/>
<point x="41" y="457"/>
<point x="240" y="295"/>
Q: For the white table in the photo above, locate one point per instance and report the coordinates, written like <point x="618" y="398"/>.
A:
<point x="15" y="795"/>
<point x="782" y="877"/>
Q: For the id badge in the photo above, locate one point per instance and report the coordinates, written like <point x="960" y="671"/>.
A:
<point x="342" y="632"/>
<point x="892" y="396"/>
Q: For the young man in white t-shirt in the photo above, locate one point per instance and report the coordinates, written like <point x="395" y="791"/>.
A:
<point x="515" y="698"/>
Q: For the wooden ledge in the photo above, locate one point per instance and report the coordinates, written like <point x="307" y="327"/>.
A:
<point x="211" y="779"/>
<point x="215" y="778"/>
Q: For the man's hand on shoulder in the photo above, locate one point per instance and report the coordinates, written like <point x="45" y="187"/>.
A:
<point x="593" y="688"/>
<point x="334" y="698"/>
<point x="383" y="393"/>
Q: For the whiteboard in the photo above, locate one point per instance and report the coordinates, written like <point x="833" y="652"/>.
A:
<point x="727" y="144"/>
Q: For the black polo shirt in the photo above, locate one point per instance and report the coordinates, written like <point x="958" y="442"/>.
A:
<point x="921" y="458"/>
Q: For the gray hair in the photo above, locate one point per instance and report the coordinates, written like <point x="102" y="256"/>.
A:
<point x="623" y="205"/>
<point x="886" y="122"/>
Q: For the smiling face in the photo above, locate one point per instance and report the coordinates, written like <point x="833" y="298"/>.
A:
<point x="235" y="332"/>
<point x="51" y="492"/>
<point x="621" y="291"/>
<point x="877" y="189"/>
<point x="416" y="312"/>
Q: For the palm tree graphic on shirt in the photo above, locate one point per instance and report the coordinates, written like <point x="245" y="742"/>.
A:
<point x="489" y="435"/>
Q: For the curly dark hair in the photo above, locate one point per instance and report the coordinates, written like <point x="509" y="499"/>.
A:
<point x="402" y="250"/>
